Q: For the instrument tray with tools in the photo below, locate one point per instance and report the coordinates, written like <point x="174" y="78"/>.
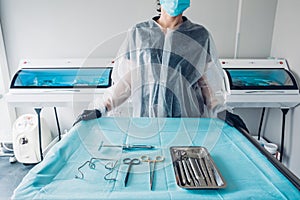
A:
<point x="195" y="169"/>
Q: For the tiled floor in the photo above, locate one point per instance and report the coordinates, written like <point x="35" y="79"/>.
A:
<point x="11" y="175"/>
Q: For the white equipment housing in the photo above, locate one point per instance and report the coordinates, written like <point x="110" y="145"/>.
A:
<point x="59" y="83"/>
<point x="26" y="141"/>
<point x="260" y="83"/>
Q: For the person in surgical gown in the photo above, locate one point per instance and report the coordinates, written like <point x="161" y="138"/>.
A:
<point x="167" y="67"/>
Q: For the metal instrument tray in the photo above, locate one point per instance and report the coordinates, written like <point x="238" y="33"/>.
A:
<point x="195" y="169"/>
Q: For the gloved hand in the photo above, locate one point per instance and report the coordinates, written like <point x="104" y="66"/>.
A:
<point x="233" y="120"/>
<point x="88" y="115"/>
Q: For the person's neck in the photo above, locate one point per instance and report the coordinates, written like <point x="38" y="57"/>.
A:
<point x="167" y="21"/>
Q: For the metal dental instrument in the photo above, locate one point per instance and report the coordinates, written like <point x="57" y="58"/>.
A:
<point x="185" y="168"/>
<point x="91" y="165"/>
<point x="217" y="177"/>
<point x="110" y="166"/>
<point x="200" y="172"/>
<point x="93" y="160"/>
<point x="210" y="171"/>
<point x="197" y="171"/>
<point x="203" y="167"/>
<point x="131" y="147"/>
<point x="130" y="162"/>
<point x="152" y="171"/>
<point x="100" y="146"/>
<point x="179" y="163"/>
<point x="192" y="173"/>
<point x="187" y="174"/>
<point x="177" y="175"/>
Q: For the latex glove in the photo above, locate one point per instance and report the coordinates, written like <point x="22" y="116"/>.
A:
<point x="233" y="120"/>
<point x="88" y="115"/>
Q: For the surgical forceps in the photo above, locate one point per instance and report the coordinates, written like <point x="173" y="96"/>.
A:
<point x="130" y="162"/>
<point x="152" y="171"/>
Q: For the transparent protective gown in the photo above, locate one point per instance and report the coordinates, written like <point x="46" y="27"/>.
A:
<point x="167" y="73"/>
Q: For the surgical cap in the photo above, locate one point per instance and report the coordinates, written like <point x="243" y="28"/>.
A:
<point x="175" y="7"/>
<point x="168" y="73"/>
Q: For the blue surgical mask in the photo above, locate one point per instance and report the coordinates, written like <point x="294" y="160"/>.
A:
<point x="175" y="7"/>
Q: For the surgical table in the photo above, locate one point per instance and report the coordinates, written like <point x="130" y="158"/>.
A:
<point x="249" y="172"/>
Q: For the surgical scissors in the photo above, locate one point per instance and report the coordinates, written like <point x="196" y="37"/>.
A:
<point x="152" y="171"/>
<point x="130" y="162"/>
